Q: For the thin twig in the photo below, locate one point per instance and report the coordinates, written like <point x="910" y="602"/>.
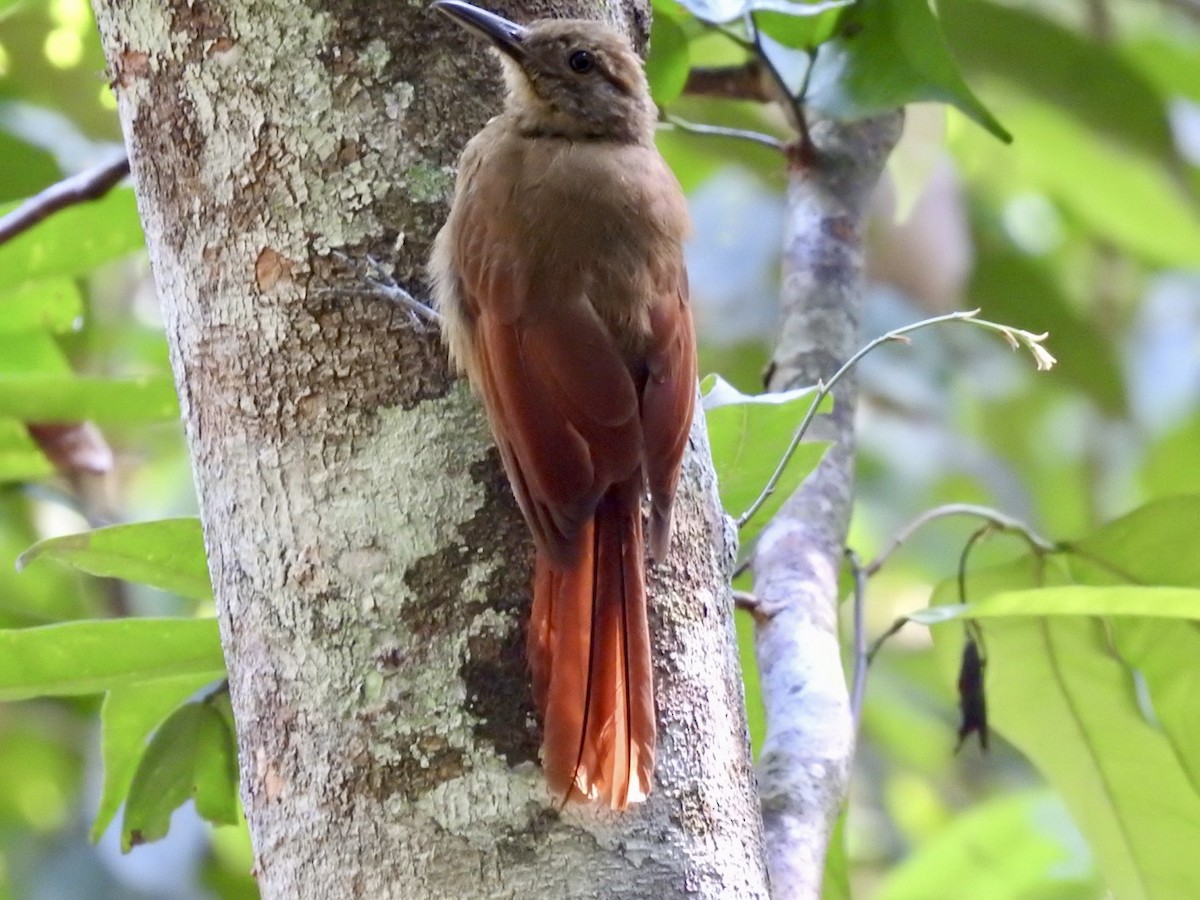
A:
<point x="998" y="519"/>
<point x="793" y="102"/>
<point x="823" y="390"/>
<point x="981" y="532"/>
<point x="743" y="82"/>
<point x="1016" y="338"/>
<point x="746" y="602"/>
<point x="741" y="134"/>
<point x="90" y="185"/>
<point x="878" y="643"/>
<point x="859" y="688"/>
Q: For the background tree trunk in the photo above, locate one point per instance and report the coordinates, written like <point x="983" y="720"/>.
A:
<point x="370" y="568"/>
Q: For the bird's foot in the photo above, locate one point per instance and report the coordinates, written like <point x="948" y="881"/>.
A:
<point x="373" y="272"/>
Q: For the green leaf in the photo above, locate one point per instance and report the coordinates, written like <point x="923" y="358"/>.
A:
<point x="888" y="53"/>
<point x="53" y="304"/>
<point x="749" y="435"/>
<point x="166" y="553"/>
<point x="667" y="65"/>
<point x="1083" y="78"/>
<point x="21" y="354"/>
<point x="129" y="716"/>
<point x="1165" y="655"/>
<point x="95" y="655"/>
<point x="1059" y="693"/>
<point x="1127" y="199"/>
<point x="68" y="398"/>
<point x="1156" y="544"/>
<point x="20" y="458"/>
<point x="190" y="756"/>
<point x="73" y="240"/>
<point x="719" y="12"/>
<point x="1072" y="600"/>
<point x="1007" y="847"/>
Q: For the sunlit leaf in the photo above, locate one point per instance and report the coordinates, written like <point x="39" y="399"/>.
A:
<point x="720" y="12"/>
<point x="52" y="304"/>
<point x="130" y="714"/>
<point x="72" y="241"/>
<point x="1073" y="600"/>
<point x="66" y="398"/>
<point x="190" y="756"/>
<point x="95" y="655"/>
<point x="1086" y="79"/>
<point x="1058" y="692"/>
<point x="20" y="459"/>
<point x="166" y="553"/>
<point x="1156" y="544"/>
<point x="667" y="64"/>
<point x="888" y="53"/>
<point x="749" y="435"/>
<point x="1017" y="845"/>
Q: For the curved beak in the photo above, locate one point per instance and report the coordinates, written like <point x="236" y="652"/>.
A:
<point x="508" y="37"/>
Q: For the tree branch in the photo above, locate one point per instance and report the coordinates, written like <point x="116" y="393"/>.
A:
<point x="90" y="185"/>
<point x="748" y="81"/>
<point x="805" y="761"/>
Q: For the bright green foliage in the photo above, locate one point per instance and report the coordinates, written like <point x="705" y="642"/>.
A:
<point x="190" y="757"/>
<point x="667" y="65"/>
<point x="91" y="656"/>
<point x="749" y="436"/>
<point x="168" y="554"/>
<point x="1091" y="668"/>
<point x="1007" y="847"/>
<point x="887" y="53"/>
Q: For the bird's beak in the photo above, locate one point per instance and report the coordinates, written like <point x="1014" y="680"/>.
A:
<point x="508" y="37"/>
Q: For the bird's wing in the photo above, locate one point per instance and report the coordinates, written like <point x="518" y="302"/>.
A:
<point x="562" y="404"/>
<point x="668" y="399"/>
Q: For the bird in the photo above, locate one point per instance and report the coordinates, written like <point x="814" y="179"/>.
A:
<point x="560" y="279"/>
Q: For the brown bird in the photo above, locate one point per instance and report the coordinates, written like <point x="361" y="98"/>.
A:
<point x="560" y="278"/>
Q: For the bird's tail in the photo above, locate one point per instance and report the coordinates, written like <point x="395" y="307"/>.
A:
<point x="589" y="651"/>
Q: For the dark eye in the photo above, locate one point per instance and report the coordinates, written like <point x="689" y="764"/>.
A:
<point x="581" y="61"/>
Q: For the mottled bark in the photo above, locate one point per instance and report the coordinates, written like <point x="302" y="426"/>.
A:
<point x="806" y="756"/>
<point x="370" y="569"/>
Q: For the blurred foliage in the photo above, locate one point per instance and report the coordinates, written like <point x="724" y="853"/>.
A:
<point x="1085" y="226"/>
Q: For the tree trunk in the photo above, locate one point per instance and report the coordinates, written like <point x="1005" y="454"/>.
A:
<point x="370" y="568"/>
<point x="804" y="766"/>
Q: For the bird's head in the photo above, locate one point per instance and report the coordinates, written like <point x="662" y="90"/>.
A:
<point x="572" y="78"/>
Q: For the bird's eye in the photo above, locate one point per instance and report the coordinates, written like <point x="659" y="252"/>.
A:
<point x="581" y="61"/>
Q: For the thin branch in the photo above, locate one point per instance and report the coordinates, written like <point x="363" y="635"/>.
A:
<point x="1016" y="338"/>
<point x="90" y="185"/>
<point x="981" y="532"/>
<point x="878" y="643"/>
<point x="747" y="602"/>
<point x="741" y="134"/>
<point x="744" y="82"/>
<point x="859" y="689"/>
<point x="997" y="519"/>
<point x="792" y="102"/>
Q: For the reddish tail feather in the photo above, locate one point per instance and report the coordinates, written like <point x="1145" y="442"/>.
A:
<point x="589" y="651"/>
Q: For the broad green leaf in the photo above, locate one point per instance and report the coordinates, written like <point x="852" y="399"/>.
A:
<point x="53" y="304"/>
<point x="189" y="757"/>
<point x="27" y="169"/>
<point x="1137" y="205"/>
<point x="1013" y="847"/>
<point x="166" y="553"/>
<point x="1166" y="656"/>
<point x="72" y="241"/>
<point x="20" y="458"/>
<point x="67" y="398"/>
<point x="887" y="53"/>
<point x="216" y="767"/>
<point x="796" y="32"/>
<point x="749" y="435"/>
<point x="1170" y="466"/>
<point x="130" y="714"/>
<point x="1072" y="600"/>
<point x="1173" y="65"/>
<point x="95" y="655"/>
<point x="22" y="354"/>
<point x="1058" y="692"/>
<point x="667" y="64"/>
<point x="1156" y="544"/>
<point x="1086" y="79"/>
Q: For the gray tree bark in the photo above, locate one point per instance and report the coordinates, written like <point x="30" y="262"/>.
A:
<point x="370" y="568"/>
<point x="804" y="766"/>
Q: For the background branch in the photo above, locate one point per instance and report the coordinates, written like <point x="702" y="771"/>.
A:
<point x="809" y="744"/>
<point x="90" y="185"/>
